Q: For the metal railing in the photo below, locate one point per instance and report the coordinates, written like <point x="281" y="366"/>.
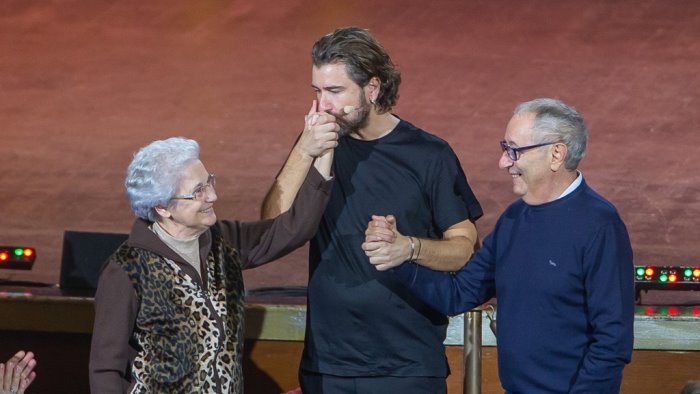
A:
<point x="472" y="352"/>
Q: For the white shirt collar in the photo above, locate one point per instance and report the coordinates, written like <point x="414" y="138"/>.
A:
<point x="576" y="183"/>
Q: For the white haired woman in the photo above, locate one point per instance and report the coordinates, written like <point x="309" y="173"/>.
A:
<point x="169" y="304"/>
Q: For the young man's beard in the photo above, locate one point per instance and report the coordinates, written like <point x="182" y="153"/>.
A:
<point x="360" y="121"/>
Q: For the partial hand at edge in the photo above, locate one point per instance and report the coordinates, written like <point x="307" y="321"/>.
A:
<point x="18" y="373"/>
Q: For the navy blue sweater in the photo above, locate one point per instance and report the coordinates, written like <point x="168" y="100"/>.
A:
<point x="563" y="276"/>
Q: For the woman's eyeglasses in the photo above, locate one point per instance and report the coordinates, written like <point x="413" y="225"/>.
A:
<point x="200" y="193"/>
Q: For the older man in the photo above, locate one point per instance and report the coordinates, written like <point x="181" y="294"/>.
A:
<point x="559" y="260"/>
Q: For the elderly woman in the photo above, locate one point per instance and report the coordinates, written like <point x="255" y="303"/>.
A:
<point x="169" y="303"/>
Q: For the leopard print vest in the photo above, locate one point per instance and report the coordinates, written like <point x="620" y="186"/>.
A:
<point x="190" y="339"/>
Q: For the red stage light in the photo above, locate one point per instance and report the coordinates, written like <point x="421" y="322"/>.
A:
<point x="667" y="277"/>
<point x="17" y="257"/>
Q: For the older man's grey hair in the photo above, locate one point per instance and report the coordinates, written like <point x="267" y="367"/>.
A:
<point x="558" y="122"/>
<point x="691" y="387"/>
<point x="154" y="174"/>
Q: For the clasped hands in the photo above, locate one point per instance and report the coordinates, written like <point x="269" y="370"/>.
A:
<point x="384" y="245"/>
<point x="320" y="133"/>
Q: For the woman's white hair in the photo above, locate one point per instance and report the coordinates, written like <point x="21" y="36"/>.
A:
<point x="154" y="174"/>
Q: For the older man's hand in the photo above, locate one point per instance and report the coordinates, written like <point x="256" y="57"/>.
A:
<point x="18" y="373"/>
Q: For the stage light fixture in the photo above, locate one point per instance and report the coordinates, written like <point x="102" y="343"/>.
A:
<point x="17" y="257"/>
<point x="668" y="277"/>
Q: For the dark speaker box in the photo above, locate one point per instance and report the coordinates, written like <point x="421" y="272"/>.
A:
<point x="84" y="254"/>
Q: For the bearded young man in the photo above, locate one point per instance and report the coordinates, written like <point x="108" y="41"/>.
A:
<point x="366" y="333"/>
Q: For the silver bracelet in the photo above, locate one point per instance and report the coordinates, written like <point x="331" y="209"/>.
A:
<point x="413" y="248"/>
<point x="420" y="246"/>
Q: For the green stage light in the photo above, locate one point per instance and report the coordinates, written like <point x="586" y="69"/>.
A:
<point x="653" y="277"/>
<point x="17" y="257"/>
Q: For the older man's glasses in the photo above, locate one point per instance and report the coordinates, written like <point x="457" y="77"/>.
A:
<point x="514" y="153"/>
<point x="200" y="193"/>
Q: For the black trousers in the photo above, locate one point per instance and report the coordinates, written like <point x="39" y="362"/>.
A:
<point x="315" y="383"/>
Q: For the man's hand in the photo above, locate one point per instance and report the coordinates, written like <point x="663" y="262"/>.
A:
<point x="384" y="245"/>
<point x="387" y="248"/>
<point x="313" y="147"/>
<point x="320" y="133"/>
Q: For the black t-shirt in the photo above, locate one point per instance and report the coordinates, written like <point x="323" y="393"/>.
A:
<point x="361" y="322"/>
